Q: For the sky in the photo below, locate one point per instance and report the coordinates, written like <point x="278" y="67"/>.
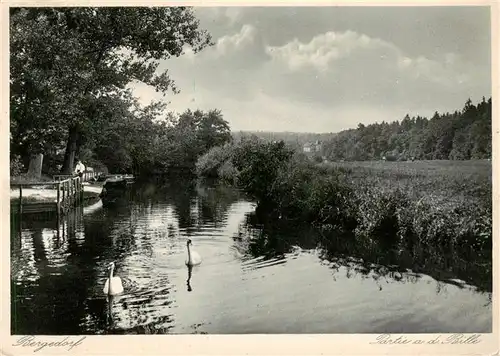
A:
<point x="327" y="69"/>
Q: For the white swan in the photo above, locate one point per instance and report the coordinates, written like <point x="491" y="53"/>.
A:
<point x="113" y="285"/>
<point x="193" y="258"/>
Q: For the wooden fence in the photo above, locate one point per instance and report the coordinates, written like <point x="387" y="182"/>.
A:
<point x="69" y="194"/>
<point x="86" y="176"/>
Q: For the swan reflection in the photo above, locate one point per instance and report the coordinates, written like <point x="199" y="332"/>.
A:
<point x="111" y="321"/>
<point x="188" y="282"/>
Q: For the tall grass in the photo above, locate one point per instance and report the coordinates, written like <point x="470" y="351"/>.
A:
<point x="423" y="213"/>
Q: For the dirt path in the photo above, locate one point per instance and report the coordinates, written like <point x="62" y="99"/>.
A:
<point x="48" y="194"/>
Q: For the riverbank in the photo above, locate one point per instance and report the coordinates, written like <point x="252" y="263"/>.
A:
<point x="48" y="195"/>
<point x="423" y="212"/>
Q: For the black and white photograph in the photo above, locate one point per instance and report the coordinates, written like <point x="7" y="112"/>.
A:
<point x="250" y="170"/>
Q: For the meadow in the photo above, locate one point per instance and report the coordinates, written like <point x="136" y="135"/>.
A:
<point x="439" y="182"/>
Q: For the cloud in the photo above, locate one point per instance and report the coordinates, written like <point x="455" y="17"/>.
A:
<point x="226" y="45"/>
<point x="236" y="42"/>
<point x="351" y="68"/>
<point x="226" y="67"/>
<point x="331" y="50"/>
<point x="332" y="68"/>
<point x="330" y="79"/>
<point x="272" y="113"/>
<point x="324" y="49"/>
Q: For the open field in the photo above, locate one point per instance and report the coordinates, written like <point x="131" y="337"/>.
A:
<point x="438" y="182"/>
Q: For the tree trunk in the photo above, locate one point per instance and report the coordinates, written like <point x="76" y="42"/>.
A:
<point x="35" y="166"/>
<point x="71" y="149"/>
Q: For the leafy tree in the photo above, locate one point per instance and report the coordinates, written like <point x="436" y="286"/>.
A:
<point x="213" y="130"/>
<point x="258" y="165"/>
<point x="129" y="141"/>
<point x="190" y="135"/>
<point x="461" y="145"/>
<point x="210" y="163"/>
<point x="64" y="59"/>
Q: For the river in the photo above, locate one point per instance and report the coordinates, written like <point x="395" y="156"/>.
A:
<point x="253" y="278"/>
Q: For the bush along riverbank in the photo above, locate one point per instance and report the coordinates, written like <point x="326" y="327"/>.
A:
<point x="406" y="219"/>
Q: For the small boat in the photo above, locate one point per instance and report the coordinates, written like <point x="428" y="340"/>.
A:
<point x="115" y="189"/>
<point x="115" y="183"/>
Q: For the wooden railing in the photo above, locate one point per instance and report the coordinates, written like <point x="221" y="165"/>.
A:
<point x="86" y="176"/>
<point x="69" y="193"/>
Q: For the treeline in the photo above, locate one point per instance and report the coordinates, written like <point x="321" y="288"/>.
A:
<point x="461" y="135"/>
<point x="297" y="140"/>
<point x="142" y="146"/>
<point x="139" y="144"/>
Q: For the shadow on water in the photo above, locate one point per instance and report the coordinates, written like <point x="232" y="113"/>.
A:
<point x="258" y="274"/>
<point x="44" y="259"/>
<point x="267" y="238"/>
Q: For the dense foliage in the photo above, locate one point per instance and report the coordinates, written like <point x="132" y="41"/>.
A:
<point x="141" y="145"/>
<point x="16" y="166"/>
<point x="70" y="68"/>
<point x="211" y="164"/>
<point x="461" y="135"/>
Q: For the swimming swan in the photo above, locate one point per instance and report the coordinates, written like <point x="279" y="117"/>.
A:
<point x="113" y="285"/>
<point x="193" y="258"/>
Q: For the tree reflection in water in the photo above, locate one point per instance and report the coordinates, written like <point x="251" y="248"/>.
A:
<point x="386" y="261"/>
<point x="59" y="261"/>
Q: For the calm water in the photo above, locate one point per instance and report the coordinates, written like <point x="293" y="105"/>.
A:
<point x="253" y="279"/>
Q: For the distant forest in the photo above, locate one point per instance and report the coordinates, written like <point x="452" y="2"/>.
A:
<point x="461" y="135"/>
<point x="293" y="139"/>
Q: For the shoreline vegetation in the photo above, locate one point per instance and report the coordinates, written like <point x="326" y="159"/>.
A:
<point x="423" y="215"/>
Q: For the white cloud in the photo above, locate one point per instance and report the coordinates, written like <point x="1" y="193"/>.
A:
<point x="273" y="113"/>
<point x="330" y="80"/>
<point x="324" y="49"/>
<point x="241" y="48"/>
<point x="325" y="52"/>
<point x="237" y="41"/>
<point x="349" y="68"/>
<point x="448" y="72"/>
<point x="233" y="14"/>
